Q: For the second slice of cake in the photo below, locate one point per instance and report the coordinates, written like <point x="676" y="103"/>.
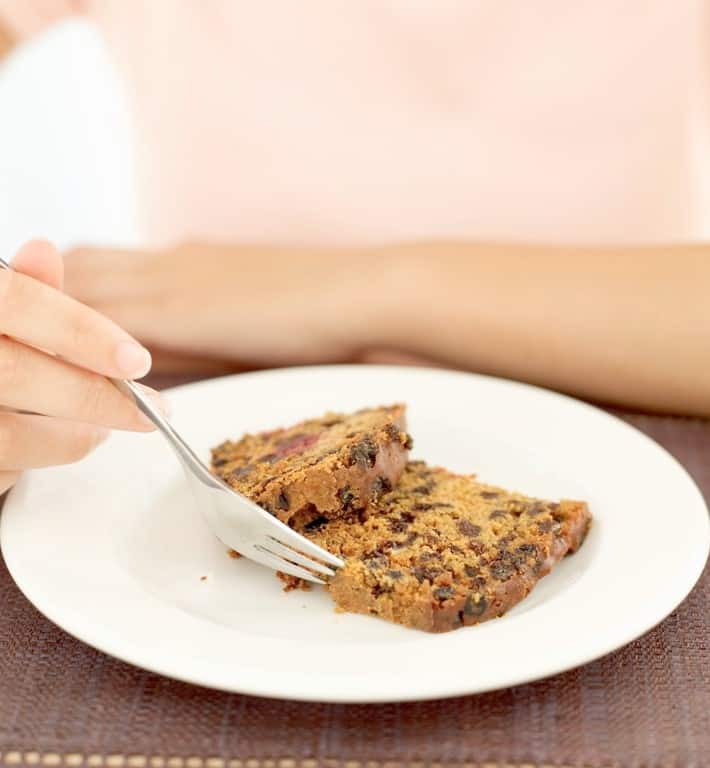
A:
<point x="442" y="551"/>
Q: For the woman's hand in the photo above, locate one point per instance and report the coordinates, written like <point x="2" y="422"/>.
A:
<point x="255" y="305"/>
<point x="54" y="411"/>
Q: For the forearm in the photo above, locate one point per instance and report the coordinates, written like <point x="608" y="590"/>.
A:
<point x="625" y="326"/>
<point x="621" y="325"/>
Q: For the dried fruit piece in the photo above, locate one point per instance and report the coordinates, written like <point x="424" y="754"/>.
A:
<point x="444" y="593"/>
<point x="347" y="498"/>
<point x="469" y="529"/>
<point x="381" y="485"/>
<point x="364" y="453"/>
<point x="475" y="606"/>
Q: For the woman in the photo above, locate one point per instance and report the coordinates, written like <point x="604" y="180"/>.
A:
<point x="341" y="180"/>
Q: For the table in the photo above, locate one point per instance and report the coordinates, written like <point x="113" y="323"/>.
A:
<point x="645" y="706"/>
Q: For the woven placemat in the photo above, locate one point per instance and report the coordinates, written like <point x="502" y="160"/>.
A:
<point x="646" y="706"/>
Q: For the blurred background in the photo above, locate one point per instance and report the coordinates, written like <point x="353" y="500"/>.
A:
<point x="65" y="142"/>
<point x="612" y="99"/>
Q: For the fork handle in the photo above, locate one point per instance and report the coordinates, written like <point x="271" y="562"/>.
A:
<point x="186" y="455"/>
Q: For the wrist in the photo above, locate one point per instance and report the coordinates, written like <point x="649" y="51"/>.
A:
<point x="377" y="297"/>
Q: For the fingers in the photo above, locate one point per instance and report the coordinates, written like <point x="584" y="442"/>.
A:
<point x="7" y="480"/>
<point x="45" y="318"/>
<point x="42" y="261"/>
<point x="28" y="441"/>
<point x="33" y="381"/>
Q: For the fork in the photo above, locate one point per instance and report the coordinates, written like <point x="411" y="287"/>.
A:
<point x="233" y="518"/>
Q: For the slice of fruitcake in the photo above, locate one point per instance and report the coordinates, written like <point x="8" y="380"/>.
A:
<point x="321" y="468"/>
<point x="441" y="551"/>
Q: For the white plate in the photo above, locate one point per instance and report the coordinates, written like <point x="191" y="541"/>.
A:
<point x="112" y="551"/>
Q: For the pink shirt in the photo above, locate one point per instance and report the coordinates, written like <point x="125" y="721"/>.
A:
<point x="355" y="121"/>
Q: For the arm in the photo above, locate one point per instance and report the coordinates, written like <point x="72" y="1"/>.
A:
<point x="629" y="326"/>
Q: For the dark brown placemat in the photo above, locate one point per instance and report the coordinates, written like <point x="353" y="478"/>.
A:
<point x="645" y="706"/>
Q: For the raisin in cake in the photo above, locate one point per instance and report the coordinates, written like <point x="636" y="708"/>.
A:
<point x="321" y="468"/>
<point x="441" y="551"/>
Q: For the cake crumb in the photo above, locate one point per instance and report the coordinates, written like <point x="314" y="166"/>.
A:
<point x="203" y="578"/>
<point x="233" y="554"/>
<point x="293" y="582"/>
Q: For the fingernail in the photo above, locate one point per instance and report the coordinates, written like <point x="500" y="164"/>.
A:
<point x="133" y="360"/>
<point x="157" y="400"/>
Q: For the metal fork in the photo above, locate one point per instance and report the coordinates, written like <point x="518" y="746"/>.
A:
<point x="233" y="518"/>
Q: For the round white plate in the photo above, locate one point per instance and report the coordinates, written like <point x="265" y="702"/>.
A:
<point x="112" y="551"/>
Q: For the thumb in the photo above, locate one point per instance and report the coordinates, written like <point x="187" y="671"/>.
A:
<point x="42" y="261"/>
